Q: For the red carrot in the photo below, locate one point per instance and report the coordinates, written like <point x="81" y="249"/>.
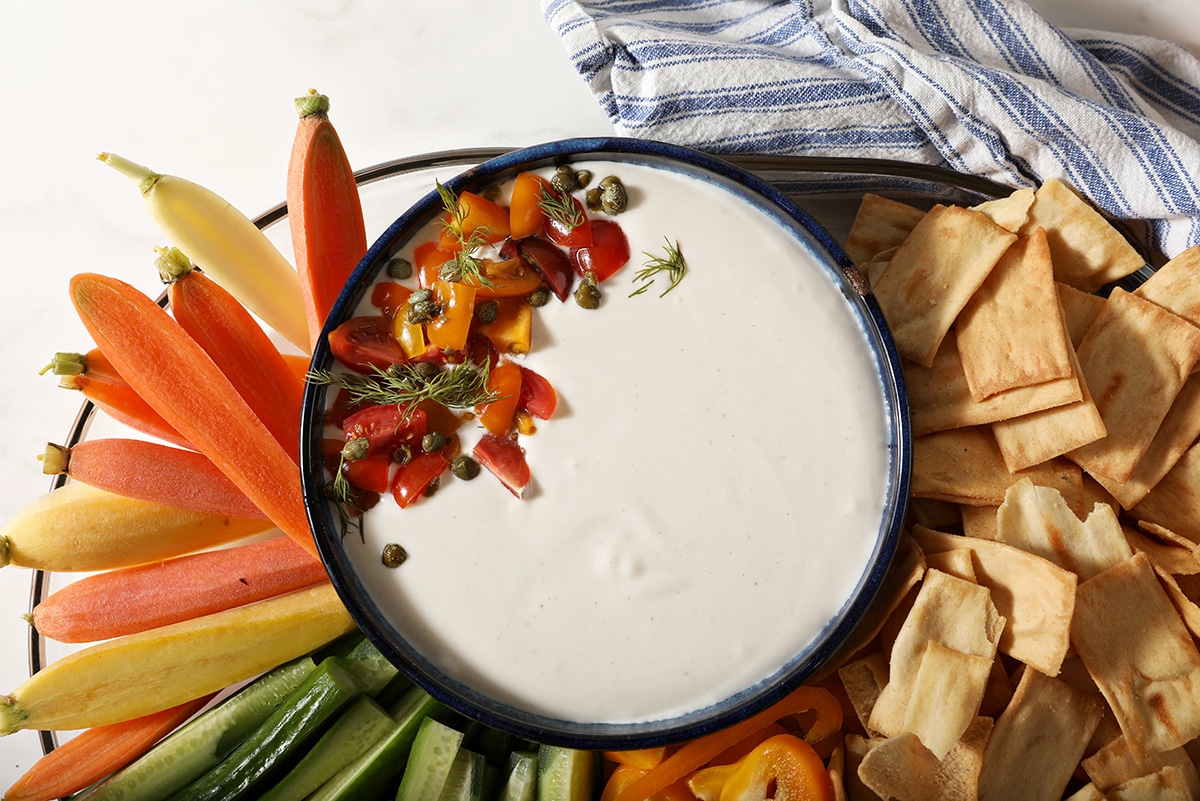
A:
<point x="93" y="375"/>
<point x="239" y="346"/>
<point x="95" y="753"/>
<point x="328" y="234"/>
<point x="150" y="471"/>
<point x="128" y="600"/>
<point x="179" y="380"/>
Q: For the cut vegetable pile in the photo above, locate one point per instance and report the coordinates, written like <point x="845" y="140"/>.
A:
<point x="1035" y="639"/>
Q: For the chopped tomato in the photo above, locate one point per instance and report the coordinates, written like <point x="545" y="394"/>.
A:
<point x="428" y="259"/>
<point x="509" y="278"/>
<point x="783" y="767"/>
<point x="482" y="217"/>
<point x="385" y="427"/>
<point x="340" y="409"/>
<point x="525" y="215"/>
<point x="578" y="236"/>
<point x="551" y="262"/>
<point x="537" y="396"/>
<point x="413" y="478"/>
<point x="449" y="329"/>
<point x="369" y="474"/>
<point x="504" y="382"/>
<point x="365" y="344"/>
<point x="512" y="330"/>
<point x="389" y="297"/>
<point x="504" y="459"/>
<point x="608" y="252"/>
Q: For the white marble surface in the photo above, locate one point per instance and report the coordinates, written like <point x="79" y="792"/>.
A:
<point x="204" y="90"/>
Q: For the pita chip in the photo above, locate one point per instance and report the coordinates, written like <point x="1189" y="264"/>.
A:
<point x="1010" y="212"/>
<point x="879" y="225"/>
<point x="1173" y="502"/>
<point x="946" y="695"/>
<point x="1166" y="784"/>
<point x="905" y="770"/>
<point x="1080" y="310"/>
<point x="1115" y="764"/>
<point x="1176" y="285"/>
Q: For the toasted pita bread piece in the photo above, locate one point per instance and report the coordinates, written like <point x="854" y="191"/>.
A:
<point x="1080" y="310"/>
<point x="1176" y="285"/>
<point x="903" y="769"/>
<point x="1135" y="359"/>
<point x="1038" y="520"/>
<point x="1038" y="740"/>
<point x="959" y="615"/>
<point x="946" y="695"/>
<point x="1189" y="611"/>
<point x="857" y="748"/>
<point x="863" y="680"/>
<point x="933" y="274"/>
<point x="978" y="521"/>
<point x="1035" y="596"/>
<point x="1087" y="793"/>
<point x="1116" y="764"/>
<point x="957" y="563"/>
<point x="1087" y="251"/>
<point x="940" y="398"/>
<point x="934" y="513"/>
<point x="879" y="225"/>
<point x="1140" y="654"/>
<point x="1177" y="433"/>
<point x="1166" y="784"/>
<point x="965" y="466"/>
<point x="1171" y="505"/>
<point x="1174" y="558"/>
<point x="1010" y="212"/>
<point x="1011" y="332"/>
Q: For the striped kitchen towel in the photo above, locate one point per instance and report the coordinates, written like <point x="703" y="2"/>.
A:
<point x="987" y="87"/>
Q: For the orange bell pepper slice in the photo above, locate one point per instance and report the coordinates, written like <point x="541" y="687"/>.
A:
<point x="449" y="330"/>
<point x="700" y="751"/>
<point x="504" y="381"/>
<point x="428" y="259"/>
<point x="625" y="774"/>
<point x="784" y="763"/>
<point x="644" y="758"/>
<point x="525" y="215"/>
<point x="481" y="217"/>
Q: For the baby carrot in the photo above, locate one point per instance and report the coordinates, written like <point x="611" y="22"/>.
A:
<point x="77" y="528"/>
<point x="93" y="754"/>
<point x="238" y="345"/>
<point x="141" y="673"/>
<point x="93" y="375"/>
<point x="119" y="602"/>
<point x="151" y="471"/>
<point x="226" y="245"/>
<point x="328" y="234"/>
<point x="176" y="377"/>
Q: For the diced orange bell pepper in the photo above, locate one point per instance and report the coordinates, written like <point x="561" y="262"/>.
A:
<point x="448" y="331"/>
<point x="783" y="767"/>
<point x="706" y="784"/>
<point x="428" y="259"/>
<point x="504" y="381"/>
<point x="643" y="758"/>
<point x="411" y="336"/>
<point x="525" y="215"/>
<point x="512" y="330"/>
<point x="481" y="216"/>
<point x="624" y="775"/>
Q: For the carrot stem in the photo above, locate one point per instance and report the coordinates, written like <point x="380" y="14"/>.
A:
<point x="93" y="375"/>
<point x="183" y="384"/>
<point x="119" y="602"/>
<point x="237" y="343"/>
<point x="324" y="210"/>
<point x="150" y="471"/>
<point x="95" y="753"/>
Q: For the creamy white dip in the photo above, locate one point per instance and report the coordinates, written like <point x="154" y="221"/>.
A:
<point x="706" y="498"/>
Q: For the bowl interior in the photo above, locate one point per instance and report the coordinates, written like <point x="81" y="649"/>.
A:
<point x="476" y="699"/>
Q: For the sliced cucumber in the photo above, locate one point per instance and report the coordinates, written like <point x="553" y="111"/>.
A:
<point x="354" y="733"/>
<point x="429" y="762"/>
<point x="520" y="783"/>
<point x="372" y="667"/>
<point x="201" y="743"/>
<point x="464" y="782"/>
<point x="565" y="774"/>
<point x="375" y="772"/>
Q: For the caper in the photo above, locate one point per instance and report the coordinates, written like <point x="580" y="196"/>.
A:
<point x="614" y="199"/>
<point x="394" y="555"/>
<point x="587" y="294"/>
<point x="564" y="180"/>
<point x="426" y="371"/>
<point x="464" y="467"/>
<point x="450" y="272"/>
<point x="583" y="178"/>
<point x="433" y="441"/>
<point x="419" y="295"/>
<point x="608" y="181"/>
<point x="540" y="296"/>
<point x="434" y="485"/>
<point x="403" y="454"/>
<point x="487" y="311"/>
<point x="399" y="268"/>
<point x="355" y="449"/>
<point x="592" y="199"/>
<point x="421" y="311"/>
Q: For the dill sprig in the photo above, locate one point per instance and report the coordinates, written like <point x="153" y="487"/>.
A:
<point x="673" y="264"/>
<point x="462" y="386"/>
<point x="560" y="207"/>
<point x="465" y="263"/>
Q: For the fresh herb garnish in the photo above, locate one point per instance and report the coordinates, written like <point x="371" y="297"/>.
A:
<point x="466" y="265"/>
<point x="561" y="208"/>
<point x="673" y="264"/>
<point x="462" y="386"/>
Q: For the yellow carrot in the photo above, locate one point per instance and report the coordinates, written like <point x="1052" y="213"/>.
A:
<point x="81" y="528"/>
<point x="142" y="673"/>
<point x="225" y="244"/>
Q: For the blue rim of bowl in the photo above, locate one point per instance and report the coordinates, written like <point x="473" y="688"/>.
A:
<point x="610" y="736"/>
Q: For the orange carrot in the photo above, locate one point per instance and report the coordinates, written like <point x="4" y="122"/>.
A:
<point x="95" y="753"/>
<point x="179" y="380"/>
<point x="127" y="600"/>
<point x="239" y="346"/>
<point x="328" y="234"/>
<point x="93" y="374"/>
<point x="300" y="365"/>
<point x="698" y="752"/>
<point x="150" y="471"/>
